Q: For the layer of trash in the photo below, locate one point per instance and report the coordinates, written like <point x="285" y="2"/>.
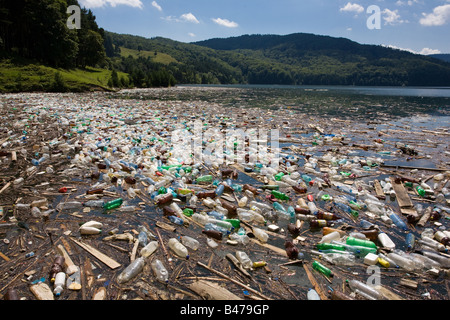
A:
<point x="103" y="198"/>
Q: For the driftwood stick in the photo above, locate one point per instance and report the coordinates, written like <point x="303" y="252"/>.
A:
<point x="232" y="280"/>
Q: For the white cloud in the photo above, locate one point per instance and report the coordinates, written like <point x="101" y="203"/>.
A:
<point x="427" y="51"/>
<point x="439" y="17"/>
<point x="352" y="7"/>
<point x="392" y="17"/>
<point x="190" y="34"/>
<point x="156" y="5"/>
<point x="189" y="17"/>
<point x="113" y="3"/>
<point x="225" y="23"/>
<point x="424" y="51"/>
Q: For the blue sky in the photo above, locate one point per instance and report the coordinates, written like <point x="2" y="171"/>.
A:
<point x="421" y="26"/>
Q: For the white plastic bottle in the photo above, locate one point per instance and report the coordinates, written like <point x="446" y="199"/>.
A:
<point x="243" y="202"/>
<point x="179" y="249"/>
<point x="149" y="249"/>
<point x="60" y="280"/>
<point x="335" y="235"/>
<point x="160" y="271"/>
<point x="313" y="295"/>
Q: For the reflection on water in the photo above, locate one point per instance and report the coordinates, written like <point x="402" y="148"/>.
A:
<point x="375" y="103"/>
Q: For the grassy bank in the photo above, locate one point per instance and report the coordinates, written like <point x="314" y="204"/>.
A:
<point x="21" y="77"/>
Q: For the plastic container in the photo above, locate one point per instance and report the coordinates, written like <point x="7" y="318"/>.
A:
<point x="160" y="271"/>
<point x="366" y="289"/>
<point x="132" y="270"/>
<point x="321" y="268"/>
<point x="178" y="248"/>
<point x="312" y="295"/>
<point x="359" y="242"/>
<point x="330" y="237"/>
<point x="60" y="280"/>
<point x="189" y="242"/>
<point x="261" y="235"/>
<point x="149" y="249"/>
<point x="244" y="259"/>
<point x="386" y="241"/>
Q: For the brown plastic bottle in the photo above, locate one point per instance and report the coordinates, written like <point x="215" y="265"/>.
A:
<point x="213" y="234"/>
<point x="301" y="210"/>
<point x="232" y="209"/>
<point x="291" y="250"/>
<point x="206" y="194"/>
<point x="299" y="189"/>
<point x="317" y="224"/>
<point x="371" y="234"/>
<point x="168" y="197"/>
<point x="326" y="216"/>
<point x="58" y="266"/>
<point x="252" y="189"/>
<point x="130" y="180"/>
<point x="293" y="230"/>
<point x="95" y="191"/>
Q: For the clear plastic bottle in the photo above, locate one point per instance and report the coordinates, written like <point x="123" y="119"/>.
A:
<point x="401" y="261"/>
<point x="60" y="280"/>
<point x="335" y="235"/>
<point x="160" y="271"/>
<point x="190" y="242"/>
<point x="132" y="270"/>
<point x="366" y="289"/>
<point x="261" y="235"/>
<point x="244" y="259"/>
<point x="179" y="249"/>
<point x="149" y="249"/>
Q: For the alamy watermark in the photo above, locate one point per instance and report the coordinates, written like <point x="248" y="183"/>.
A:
<point x="374" y="21"/>
<point x="74" y="21"/>
<point x="218" y="145"/>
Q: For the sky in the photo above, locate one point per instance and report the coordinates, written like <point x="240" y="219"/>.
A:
<point x="420" y="26"/>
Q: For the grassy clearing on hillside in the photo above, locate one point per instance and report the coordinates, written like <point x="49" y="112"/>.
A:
<point x="158" y="58"/>
<point x="35" y="77"/>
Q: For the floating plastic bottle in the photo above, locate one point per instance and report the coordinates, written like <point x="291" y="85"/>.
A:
<point x="280" y="195"/>
<point x="322" y="269"/>
<point x="60" y="280"/>
<point x="149" y="249"/>
<point x="113" y="204"/>
<point x="244" y="259"/>
<point x="398" y="222"/>
<point x="261" y="235"/>
<point x="359" y="242"/>
<point x="179" y="249"/>
<point x="189" y="242"/>
<point x="132" y="270"/>
<point x="386" y="241"/>
<point x="160" y="271"/>
<point x="312" y="295"/>
<point x="366" y="289"/>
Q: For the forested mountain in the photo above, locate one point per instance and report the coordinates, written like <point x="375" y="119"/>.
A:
<point x="443" y="57"/>
<point x="294" y="59"/>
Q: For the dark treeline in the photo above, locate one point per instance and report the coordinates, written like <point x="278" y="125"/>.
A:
<point x="37" y="30"/>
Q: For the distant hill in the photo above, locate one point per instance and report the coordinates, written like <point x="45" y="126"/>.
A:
<point x="444" y="57"/>
<point x="295" y="59"/>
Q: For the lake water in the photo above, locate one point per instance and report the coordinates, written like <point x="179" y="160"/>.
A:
<point x="334" y="101"/>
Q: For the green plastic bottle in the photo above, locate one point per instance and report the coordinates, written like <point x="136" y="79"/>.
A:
<point x="330" y="246"/>
<point x="420" y="191"/>
<point x="113" y="204"/>
<point x="207" y="178"/>
<point x="278" y="176"/>
<point x="280" y="195"/>
<point x="188" y="212"/>
<point x="359" y="242"/>
<point x="322" y="269"/>
<point x="236" y="223"/>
